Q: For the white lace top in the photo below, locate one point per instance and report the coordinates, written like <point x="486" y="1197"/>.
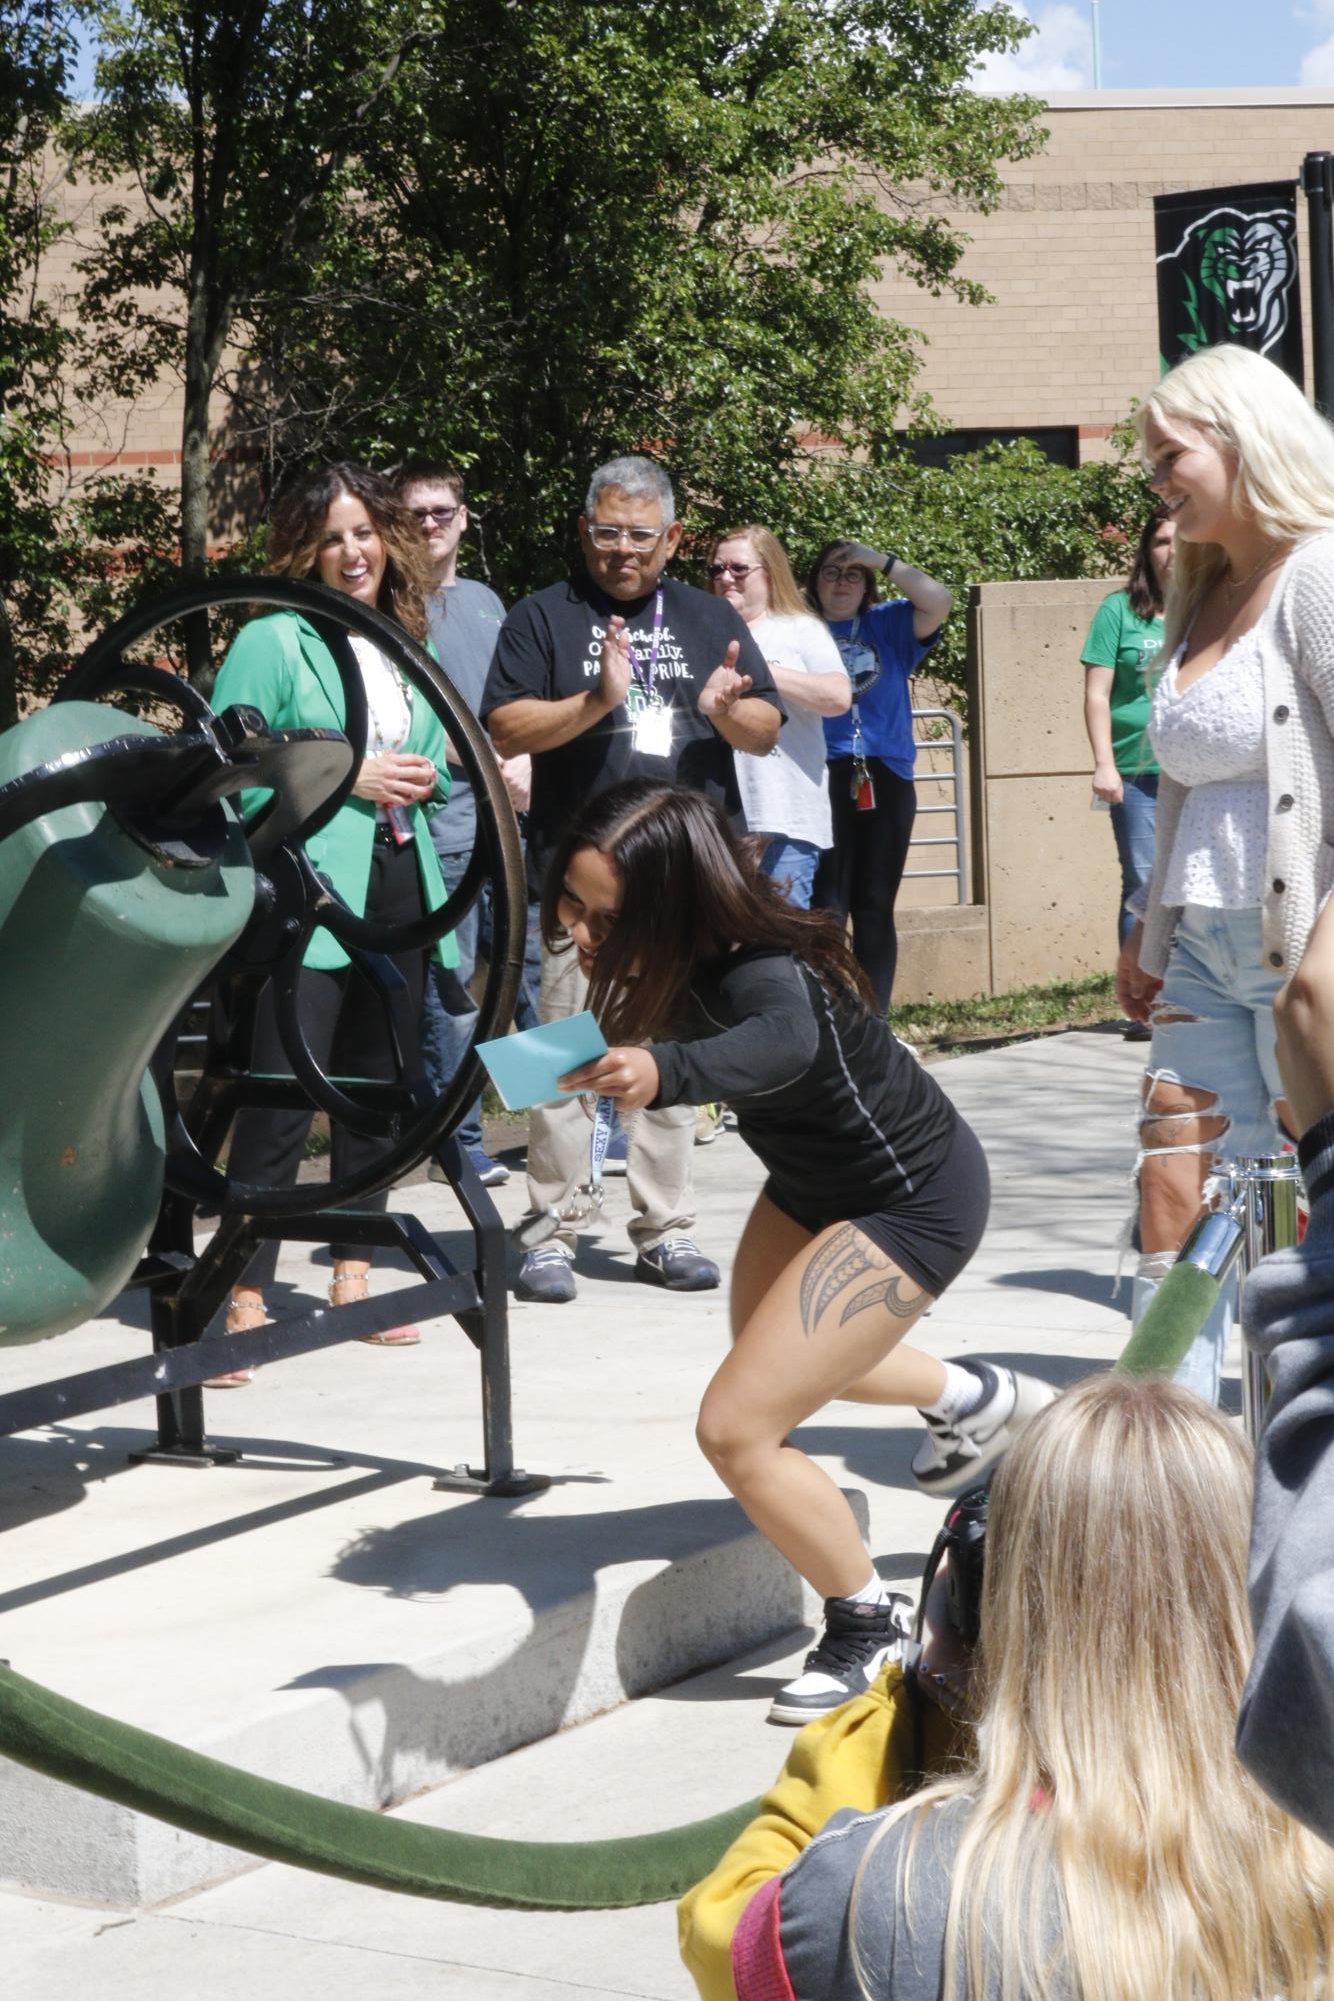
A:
<point x="1210" y="737"/>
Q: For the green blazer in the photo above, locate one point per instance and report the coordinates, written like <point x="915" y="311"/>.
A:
<point x="281" y="666"/>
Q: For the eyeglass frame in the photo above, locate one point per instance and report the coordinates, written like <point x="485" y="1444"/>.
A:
<point x="598" y="531"/>
<point x="738" y="570"/>
<point x="446" y="516"/>
<point x="827" y="574"/>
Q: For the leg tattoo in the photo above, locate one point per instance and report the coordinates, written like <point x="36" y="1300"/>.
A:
<point x="847" y="1257"/>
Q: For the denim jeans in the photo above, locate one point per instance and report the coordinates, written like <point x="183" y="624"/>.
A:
<point x="1132" y="826"/>
<point x="791" y="864"/>
<point x="1223" y="1042"/>
<point x="446" y="1026"/>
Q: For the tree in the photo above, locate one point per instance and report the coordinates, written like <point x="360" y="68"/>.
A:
<point x="36" y="45"/>
<point x="232" y="125"/>
<point x="601" y="227"/>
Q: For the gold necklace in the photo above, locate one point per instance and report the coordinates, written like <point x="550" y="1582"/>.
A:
<point x="1265" y="564"/>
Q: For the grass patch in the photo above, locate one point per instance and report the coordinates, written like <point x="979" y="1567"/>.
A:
<point x="994" y="1017"/>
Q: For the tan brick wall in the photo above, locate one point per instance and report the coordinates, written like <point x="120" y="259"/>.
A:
<point x="1072" y="336"/>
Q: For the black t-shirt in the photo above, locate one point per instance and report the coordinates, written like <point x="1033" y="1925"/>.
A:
<point x="845" y="1118"/>
<point x="550" y="647"/>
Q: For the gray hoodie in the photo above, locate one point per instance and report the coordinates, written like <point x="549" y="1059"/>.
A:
<point x="1285" y="1735"/>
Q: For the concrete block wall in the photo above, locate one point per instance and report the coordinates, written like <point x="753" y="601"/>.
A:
<point x="1044" y="864"/>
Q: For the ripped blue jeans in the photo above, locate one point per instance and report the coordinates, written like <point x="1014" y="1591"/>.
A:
<point x="1213" y="1029"/>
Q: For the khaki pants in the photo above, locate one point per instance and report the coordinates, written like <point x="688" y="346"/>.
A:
<point x="660" y="1144"/>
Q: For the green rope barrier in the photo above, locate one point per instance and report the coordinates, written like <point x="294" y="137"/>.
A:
<point x="1172" y="1319"/>
<point x="119" y="1762"/>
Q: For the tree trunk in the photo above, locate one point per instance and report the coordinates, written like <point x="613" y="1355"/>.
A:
<point x="207" y="321"/>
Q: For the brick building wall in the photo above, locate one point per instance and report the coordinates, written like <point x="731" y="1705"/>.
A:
<point x="1072" y="337"/>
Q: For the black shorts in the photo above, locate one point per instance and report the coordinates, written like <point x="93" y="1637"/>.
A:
<point x="932" y="1233"/>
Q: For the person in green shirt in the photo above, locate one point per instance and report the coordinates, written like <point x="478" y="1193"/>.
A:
<point x="1123" y="641"/>
<point x="344" y="527"/>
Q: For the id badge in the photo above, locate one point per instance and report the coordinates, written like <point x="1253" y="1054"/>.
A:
<point x="653" y="730"/>
<point x="862" y="788"/>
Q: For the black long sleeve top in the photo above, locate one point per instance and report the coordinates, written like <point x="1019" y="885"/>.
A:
<point x="844" y="1118"/>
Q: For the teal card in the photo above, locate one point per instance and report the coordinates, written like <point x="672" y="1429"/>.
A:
<point x="524" y="1067"/>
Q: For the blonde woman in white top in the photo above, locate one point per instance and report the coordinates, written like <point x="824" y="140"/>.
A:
<point x="786" y="793"/>
<point x="1243" y="729"/>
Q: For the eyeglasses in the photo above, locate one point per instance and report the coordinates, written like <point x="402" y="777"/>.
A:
<point x="738" y="570"/>
<point x="832" y="575"/>
<point x="444" y="515"/>
<point x="607" y="535"/>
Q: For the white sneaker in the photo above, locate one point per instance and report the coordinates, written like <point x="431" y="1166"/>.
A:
<point x="958" y="1453"/>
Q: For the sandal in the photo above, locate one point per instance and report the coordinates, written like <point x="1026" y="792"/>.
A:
<point x="387" y="1337"/>
<point x="240" y="1320"/>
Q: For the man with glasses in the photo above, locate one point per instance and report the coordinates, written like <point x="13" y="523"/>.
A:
<point x="464" y="620"/>
<point x="621" y="672"/>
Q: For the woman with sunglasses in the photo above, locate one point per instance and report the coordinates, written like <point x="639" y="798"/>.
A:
<point x="871" y="750"/>
<point x="786" y="794"/>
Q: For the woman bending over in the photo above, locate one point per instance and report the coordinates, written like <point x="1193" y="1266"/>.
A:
<point x="711" y="985"/>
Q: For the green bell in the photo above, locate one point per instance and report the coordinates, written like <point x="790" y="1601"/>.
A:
<point x="104" y="935"/>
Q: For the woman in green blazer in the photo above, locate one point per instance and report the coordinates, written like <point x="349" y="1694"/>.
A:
<point x="343" y="527"/>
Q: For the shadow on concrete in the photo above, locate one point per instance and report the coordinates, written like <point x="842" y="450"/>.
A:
<point x="106" y="1451"/>
<point x="1072" y="1283"/>
<point x="406" y="1723"/>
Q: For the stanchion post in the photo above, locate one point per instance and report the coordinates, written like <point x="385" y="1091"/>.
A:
<point x="1272" y="1184"/>
<point x="1318" y="187"/>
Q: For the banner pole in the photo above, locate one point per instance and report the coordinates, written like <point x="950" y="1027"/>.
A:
<point x="1094" y="6"/>
<point x="1318" y="186"/>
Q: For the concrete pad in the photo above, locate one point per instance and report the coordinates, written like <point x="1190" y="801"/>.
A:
<point x="311" y="1609"/>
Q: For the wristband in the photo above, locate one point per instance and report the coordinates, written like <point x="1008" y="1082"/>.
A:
<point x="889" y="563"/>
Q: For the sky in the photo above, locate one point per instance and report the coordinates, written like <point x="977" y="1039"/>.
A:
<point x="1181" y="44"/>
<point x="1175" y="43"/>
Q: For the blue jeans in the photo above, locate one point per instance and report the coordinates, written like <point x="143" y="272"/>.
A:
<point x="446" y="1030"/>
<point x="1216" y="980"/>
<point x="1132" y="825"/>
<point x="791" y="864"/>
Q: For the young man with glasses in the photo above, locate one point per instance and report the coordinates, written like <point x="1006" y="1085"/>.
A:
<point x="464" y="618"/>
<point x="621" y="672"/>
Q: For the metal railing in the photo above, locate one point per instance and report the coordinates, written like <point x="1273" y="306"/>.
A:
<point x="956" y="806"/>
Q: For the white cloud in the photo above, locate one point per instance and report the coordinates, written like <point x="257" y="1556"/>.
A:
<point x="1317" y="65"/>
<point x="1059" y="56"/>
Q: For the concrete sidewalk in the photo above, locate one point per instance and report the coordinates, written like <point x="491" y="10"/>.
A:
<point x="320" y="1613"/>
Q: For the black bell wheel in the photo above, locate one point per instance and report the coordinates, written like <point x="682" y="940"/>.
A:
<point x="414" y="1124"/>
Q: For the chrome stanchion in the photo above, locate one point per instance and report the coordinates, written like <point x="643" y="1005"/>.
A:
<point x="1270" y="1185"/>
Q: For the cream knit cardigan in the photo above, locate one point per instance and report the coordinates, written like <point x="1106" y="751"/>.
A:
<point x="1297" y="655"/>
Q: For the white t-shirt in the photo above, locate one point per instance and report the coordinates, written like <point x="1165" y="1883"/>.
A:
<point x="787" y="791"/>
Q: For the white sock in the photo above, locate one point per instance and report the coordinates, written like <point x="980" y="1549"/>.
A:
<point x="873" y="1593"/>
<point x="962" y="1394"/>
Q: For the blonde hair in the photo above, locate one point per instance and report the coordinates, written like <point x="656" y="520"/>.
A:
<point x="784" y="593"/>
<point x="1284" y="453"/>
<point x="1116" y="1849"/>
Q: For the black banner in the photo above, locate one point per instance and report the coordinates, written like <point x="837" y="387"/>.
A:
<point x="1227" y="271"/>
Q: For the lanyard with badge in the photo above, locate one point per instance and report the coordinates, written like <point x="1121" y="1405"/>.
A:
<point x="863" y="665"/>
<point x="650" y="718"/>
<point x="588" y="1198"/>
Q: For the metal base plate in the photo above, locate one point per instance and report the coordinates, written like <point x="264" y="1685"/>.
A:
<point x="473" y="1480"/>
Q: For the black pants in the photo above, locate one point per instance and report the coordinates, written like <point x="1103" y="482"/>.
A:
<point x="859" y="876"/>
<point x="343" y="1017"/>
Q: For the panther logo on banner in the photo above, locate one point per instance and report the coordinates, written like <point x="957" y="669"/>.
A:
<point x="1227" y="271"/>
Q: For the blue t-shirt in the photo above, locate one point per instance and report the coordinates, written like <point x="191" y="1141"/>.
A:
<point x="881" y="653"/>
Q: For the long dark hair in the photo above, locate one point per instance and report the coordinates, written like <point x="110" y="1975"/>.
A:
<point x="298" y="526"/>
<point x="692" y="891"/>
<point x="1144" y="590"/>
